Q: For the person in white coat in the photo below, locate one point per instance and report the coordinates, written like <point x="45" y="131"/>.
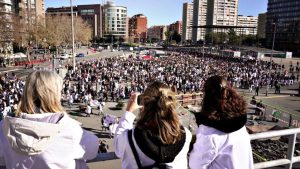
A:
<point x="42" y="135"/>
<point x="158" y="137"/>
<point x="222" y="139"/>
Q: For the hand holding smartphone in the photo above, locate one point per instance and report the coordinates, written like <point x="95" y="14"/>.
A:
<point x="132" y="104"/>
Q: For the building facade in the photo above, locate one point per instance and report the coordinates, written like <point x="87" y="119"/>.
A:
<point x="199" y="19"/>
<point x="92" y="14"/>
<point x="138" y="28"/>
<point x="187" y="22"/>
<point x="261" y="26"/>
<point x="283" y="20"/>
<point x="222" y="12"/>
<point x="115" y="21"/>
<point x="157" y="32"/>
<point x="176" y="26"/>
<point x="30" y="10"/>
<point x="247" y="21"/>
<point x="62" y="11"/>
<point x="6" y="7"/>
<point x="6" y="36"/>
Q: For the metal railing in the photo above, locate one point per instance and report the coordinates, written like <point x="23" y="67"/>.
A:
<point x="289" y="161"/>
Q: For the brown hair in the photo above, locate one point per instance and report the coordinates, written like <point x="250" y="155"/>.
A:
<point x="221" y="101"/>
<point x="158" y="113"/>
<point x="42" y="94"/>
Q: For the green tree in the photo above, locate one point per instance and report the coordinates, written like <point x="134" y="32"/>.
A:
<point x="233" y="38"/>
<point x="249" y="40"/>
<point x="176" y="36"/>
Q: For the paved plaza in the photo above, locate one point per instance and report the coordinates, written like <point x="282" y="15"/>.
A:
<point x="286" y="101"/>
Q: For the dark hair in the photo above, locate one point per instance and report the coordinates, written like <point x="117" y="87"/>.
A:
<point x="221" y="101"/>
<point x="158" y="113"/>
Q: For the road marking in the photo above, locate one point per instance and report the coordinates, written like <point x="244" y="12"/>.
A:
<point x="6" y="71"/>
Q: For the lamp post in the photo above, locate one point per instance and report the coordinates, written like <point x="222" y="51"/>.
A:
<point x="270" y="67"/>
<point x="73" y="36"/>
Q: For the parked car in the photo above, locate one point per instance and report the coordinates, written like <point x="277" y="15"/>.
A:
<point x="63" y="56"/>
<point x="80" y="55"/>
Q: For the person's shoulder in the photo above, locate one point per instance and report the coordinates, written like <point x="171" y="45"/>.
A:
<point x="188" y="133"/>
<point x="206" y="130"/>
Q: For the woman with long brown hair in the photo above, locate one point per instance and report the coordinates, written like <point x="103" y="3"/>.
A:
<point x="158" y="137"/>
<point x="222" y="139"/>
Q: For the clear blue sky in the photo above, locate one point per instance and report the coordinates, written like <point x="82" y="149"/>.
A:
<point x="163" y="12"/>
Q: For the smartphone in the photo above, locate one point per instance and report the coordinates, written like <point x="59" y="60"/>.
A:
<point x="139" y="100"/>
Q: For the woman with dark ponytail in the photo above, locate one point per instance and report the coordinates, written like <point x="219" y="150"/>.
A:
<point x="222" y="139"/>
<point x="158" y="139"/>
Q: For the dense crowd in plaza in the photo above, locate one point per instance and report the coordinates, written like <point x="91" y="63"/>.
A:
<point x="112" y="79"/>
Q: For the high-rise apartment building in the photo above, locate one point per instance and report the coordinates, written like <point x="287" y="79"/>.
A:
<point x="247" y="21"/>
<point x="138" y="28"/>
<point x="222" y="12"/>
<point x="6" y="7"/>
<point x="199" y="19"/>
<point x="261" y="26"/>
<point x="283" y="20"/>
<point x="23" y="13"/>
<point x="6" y="15"/>
<point x="115" y="21"/>
<point x="187" y="21"/>
<point x="30" y="10"/>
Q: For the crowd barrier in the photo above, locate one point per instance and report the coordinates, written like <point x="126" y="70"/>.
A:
<point x="23" y="63"/>
<point x="190" y="99"/>
<point x="280" y="116"/>
<point x="289" y="161"/>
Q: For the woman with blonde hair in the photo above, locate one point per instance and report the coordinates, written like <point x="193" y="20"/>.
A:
<point x="158" y="139"/>
<point x="222" y="139"/>
<point x="42" y="135"/>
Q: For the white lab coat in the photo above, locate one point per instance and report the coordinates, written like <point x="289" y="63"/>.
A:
<point x="123" y="149"/>
<point x="217" y="150"/>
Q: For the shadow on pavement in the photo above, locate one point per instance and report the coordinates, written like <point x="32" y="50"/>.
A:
<point x="98" y="133"/>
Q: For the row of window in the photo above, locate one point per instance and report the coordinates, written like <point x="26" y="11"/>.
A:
<point x="87" y="12"/>
<point x="116" y="10"/>
<point x="115" y="15"/>
<point x="114" y="32"/>
<point x="119" y="26"/>
<point x="113" y="29"/>
<point x="113" y="18"/>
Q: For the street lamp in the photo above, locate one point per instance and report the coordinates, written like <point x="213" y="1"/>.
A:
<point x="73" y="43"/>
<point x="273" y="44"/>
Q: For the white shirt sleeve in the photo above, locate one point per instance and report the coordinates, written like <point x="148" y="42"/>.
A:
<point x="86" y="144"/>
<point x="2" y="162"/>
<point x="204" y="152"/>
<point x="125" y="124"/>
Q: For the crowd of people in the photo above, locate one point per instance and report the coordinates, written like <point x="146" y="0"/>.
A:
<point x="159" y="138"/>
<point x="113" y="79"/>
<point x="11" y="89"/>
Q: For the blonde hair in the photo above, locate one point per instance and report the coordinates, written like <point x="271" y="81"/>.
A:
<point x="159" y="115"/>
<point x="42" y="94"/>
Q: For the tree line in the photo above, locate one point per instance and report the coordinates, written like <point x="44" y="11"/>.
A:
<point x="26" y="33"/>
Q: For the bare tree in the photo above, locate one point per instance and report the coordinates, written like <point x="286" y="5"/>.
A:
<point x="59" y="30"/>
<point x="83" y="31"/>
